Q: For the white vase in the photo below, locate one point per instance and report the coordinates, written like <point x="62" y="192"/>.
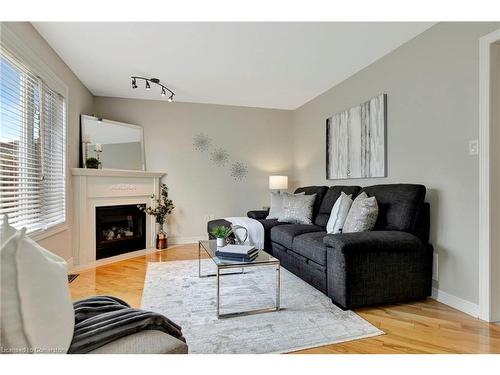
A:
<point x="221" y="242"/>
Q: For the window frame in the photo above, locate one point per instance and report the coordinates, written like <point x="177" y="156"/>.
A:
<point x="29" y="58"/>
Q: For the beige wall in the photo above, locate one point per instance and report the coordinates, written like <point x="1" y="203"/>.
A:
<point x="79" y="100"/>
<point x="432" y="87"/>
<point x="495" y="180"/>
<point x="260" y="138"/>
<point x="431" y="84"/>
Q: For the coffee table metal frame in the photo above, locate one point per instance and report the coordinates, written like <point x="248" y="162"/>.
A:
<point x="242" y="265"/>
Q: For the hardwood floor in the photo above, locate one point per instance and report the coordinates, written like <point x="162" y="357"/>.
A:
<point x="419" y="327"/>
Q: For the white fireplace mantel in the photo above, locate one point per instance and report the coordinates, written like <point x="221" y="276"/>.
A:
<point x="107" y="187"/>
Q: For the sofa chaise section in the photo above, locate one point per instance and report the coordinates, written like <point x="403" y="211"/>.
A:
<point x="393" y="263"/>
<point x="377" y="267"/>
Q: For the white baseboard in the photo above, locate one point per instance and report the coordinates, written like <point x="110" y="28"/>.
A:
<point x="458" y="303"/>
<point x="180" y="240"/>
<point x="102" y="262"/>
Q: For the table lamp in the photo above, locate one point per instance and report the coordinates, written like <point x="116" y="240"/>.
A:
<point x="278" y="183"/>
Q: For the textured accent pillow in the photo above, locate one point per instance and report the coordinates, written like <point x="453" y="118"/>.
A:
<point x="276" y="209"/>
<point x="37" y="289"/>
<point x="297" y="209"/>
<point x="362" y="216"/>
<point x="339" y="213"/>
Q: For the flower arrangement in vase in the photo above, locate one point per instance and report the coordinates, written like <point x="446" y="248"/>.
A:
<point x="162" y="206"/>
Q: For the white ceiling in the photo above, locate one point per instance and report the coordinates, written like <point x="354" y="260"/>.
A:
<point x="273" y="65"/>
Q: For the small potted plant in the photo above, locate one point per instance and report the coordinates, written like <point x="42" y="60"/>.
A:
<point x="221" y="233"/>
<point x="92" y="163"/>
<point x="163" y="206"/>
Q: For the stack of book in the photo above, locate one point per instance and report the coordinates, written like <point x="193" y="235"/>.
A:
<point x="238" y="253"/>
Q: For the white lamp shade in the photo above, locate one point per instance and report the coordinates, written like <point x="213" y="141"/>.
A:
<point x="278" y="182"/>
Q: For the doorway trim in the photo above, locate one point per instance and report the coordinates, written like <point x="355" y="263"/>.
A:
<point x="484" y="176"/>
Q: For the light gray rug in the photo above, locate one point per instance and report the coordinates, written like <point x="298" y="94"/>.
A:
<point x="307" y="319"/>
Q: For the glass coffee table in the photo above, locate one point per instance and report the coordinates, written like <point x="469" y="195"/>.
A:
<point x="263" y="259"/>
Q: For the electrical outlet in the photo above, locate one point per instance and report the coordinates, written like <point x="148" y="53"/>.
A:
<point x="473" y="147"/>
<point x="435" y="267"/>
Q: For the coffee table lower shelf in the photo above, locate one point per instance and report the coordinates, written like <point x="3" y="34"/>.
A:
<point x="240" y="265"/>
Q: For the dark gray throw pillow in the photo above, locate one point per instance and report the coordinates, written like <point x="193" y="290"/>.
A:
<point x="297" y="209"/>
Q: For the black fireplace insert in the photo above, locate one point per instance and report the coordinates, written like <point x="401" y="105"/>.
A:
<point x="119" y="230"/>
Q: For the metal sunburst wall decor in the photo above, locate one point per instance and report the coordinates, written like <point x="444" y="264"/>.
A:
<point x="239" y="171"/>
<point x="219" y="157"/>
<point x="202" y="142"/>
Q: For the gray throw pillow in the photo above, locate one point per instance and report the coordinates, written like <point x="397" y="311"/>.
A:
<point x="362" y="216"/>
<point x="297" y="209"/>
<point x="276" y="209"/>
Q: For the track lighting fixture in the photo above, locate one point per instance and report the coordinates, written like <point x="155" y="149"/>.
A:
<point x="156" y="81"/>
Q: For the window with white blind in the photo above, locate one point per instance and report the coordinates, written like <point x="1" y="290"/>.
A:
<point x="32" y="148"/>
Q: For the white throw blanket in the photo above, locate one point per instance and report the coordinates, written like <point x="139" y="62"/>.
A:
<point x="254" y="228"/>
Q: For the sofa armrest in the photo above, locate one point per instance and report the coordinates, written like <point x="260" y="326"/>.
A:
<point x="258" y="214"/>
<point x="374" y="241"/>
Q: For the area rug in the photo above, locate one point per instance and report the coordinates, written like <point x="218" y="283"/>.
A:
<point x="307" y="319"/>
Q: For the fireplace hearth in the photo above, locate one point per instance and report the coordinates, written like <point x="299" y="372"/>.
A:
<point x="119" y="230"/>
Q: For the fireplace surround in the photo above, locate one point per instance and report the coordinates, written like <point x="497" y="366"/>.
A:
<point x="98" y="191"/>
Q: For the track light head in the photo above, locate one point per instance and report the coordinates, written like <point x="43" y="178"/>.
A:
<point x="163" y="92"/>
<point x="148" y="87"/>
<point x="171" y="98"/>
<point x="134" y="83"/>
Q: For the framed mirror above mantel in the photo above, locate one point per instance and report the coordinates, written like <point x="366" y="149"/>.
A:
<point x="107" y="144"/>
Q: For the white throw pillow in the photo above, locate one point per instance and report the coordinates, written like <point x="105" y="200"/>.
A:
<point x="339" y="213"/>
<point x="362" y="216"/>
<point x="13" y="339"/>
<point x="276" y="210"/>
<point x="43" y="297"/>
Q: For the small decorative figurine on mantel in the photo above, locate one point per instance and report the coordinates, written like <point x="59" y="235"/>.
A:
<point x="162" y="206"/>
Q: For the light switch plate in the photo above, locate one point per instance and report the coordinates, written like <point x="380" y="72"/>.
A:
<point x="473" y="147"/>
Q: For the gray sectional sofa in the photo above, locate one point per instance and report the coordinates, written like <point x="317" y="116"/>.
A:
<point x="392" y="263"/>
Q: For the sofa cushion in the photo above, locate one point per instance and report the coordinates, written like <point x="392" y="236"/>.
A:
<point x="311" y="246"/>
<point x="320" y="192"/>
<point x="284" y="234"/>
<point x="398" y="205"/>
<point x="331" y="196"/>
<point x="375" y="242"/>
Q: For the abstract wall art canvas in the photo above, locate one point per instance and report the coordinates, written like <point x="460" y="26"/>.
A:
<point x="355" y="141"/>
